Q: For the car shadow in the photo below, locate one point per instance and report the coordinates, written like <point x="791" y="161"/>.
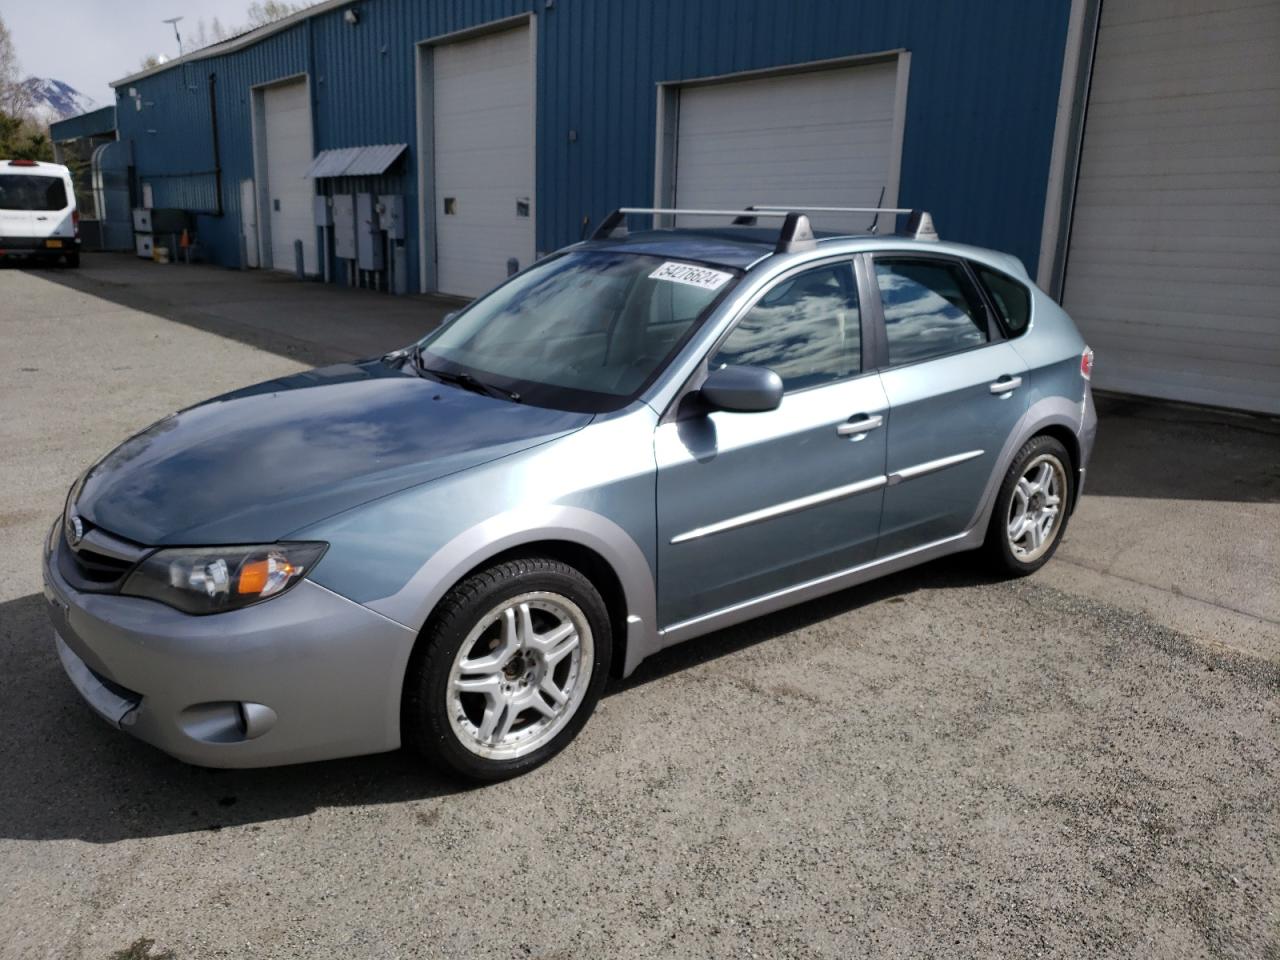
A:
<point x="1152" y="449"/>
<point x="68" y="775"/>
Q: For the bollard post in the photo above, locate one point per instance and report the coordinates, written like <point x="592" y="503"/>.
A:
<point x="513" y="266"/>
<point x="297" y="259"/>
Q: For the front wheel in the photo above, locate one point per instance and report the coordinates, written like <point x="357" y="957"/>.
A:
<point x="508" y="669"/>
<point x="1030" y="512"/>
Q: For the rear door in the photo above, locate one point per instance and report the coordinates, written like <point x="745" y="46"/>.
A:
<point x="750" y="503"/>
<point x="955" y="390"/>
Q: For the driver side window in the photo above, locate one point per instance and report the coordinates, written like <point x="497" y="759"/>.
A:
<point x="807" y="329"/>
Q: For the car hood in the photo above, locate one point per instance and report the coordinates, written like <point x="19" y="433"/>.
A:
<point x="254" y="465"/>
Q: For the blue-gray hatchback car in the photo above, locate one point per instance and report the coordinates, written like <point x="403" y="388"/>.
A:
<point x="642" y="438"/>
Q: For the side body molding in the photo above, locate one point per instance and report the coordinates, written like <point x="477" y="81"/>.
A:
<point x="524" y="525"/>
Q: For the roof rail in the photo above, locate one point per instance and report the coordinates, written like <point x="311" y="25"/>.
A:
<point x="796" y="233"/>
<point x="919" y="222"/>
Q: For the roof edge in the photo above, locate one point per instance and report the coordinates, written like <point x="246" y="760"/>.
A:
<point x="235" y="43"/>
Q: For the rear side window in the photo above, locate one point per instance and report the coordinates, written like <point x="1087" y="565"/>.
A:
<point x="1012" y="299"/>
<point x="32" y="192"/>
<point x="806" y="329"/>
<point x="930" y="309"/>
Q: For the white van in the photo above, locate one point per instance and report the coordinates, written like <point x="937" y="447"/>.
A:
<point x="38" y="215"/>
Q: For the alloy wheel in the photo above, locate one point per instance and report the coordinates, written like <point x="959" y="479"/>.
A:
<point x="1035" y="510"/>
<point x="520" y="675"/>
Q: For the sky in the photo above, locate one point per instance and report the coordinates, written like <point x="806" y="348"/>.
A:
<point x="89" y="43"/>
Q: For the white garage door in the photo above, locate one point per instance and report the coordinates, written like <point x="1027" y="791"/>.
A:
<point x="287" y="121"/>
<point x="823" y="138"/>
<point x="1173" y="272"/>
<point x="483" y="102"/>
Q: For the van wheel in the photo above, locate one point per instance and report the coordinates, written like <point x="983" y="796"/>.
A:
<point x="73" y="259"/>
<point x="508" y="669"/>
<point x="1030" y="512"/>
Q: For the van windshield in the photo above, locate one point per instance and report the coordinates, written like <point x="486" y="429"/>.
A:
<point x="585" y="331"/>
<point x="29" y="191"/>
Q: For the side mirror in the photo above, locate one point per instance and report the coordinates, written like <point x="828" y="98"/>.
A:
<point x="742" y="389"/>
<point x="447" y="317"/>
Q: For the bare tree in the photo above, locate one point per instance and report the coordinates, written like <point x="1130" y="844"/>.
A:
<point x="14" y="99"/>
<point x="262" y="12"/>
<point x="20" y="136"/>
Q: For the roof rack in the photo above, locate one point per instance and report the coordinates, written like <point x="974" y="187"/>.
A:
<point x="919" y="222"/>
<point x="796" y="233"/>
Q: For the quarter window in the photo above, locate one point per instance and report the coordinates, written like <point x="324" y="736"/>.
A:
<point x="807" y="329"/>
<point x="1012" y="299"/>
<point x="930" y="309"/>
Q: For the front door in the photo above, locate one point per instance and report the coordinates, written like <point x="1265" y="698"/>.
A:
<point x="955" y="393"/>
<point x="750" y="503"/>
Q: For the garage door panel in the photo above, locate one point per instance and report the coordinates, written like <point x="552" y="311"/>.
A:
<point x="1173" y="272"/>
<point x="824" y="138"/>
<point x="482" y="93"/>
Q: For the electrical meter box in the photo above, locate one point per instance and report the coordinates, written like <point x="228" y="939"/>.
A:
<point x="369" y="255"/>
<point x="391" y="212"/>
<point x="321" y="207"/>
<point x="344" y="226"/>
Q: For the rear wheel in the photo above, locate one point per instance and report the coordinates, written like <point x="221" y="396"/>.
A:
<point x="508" y="669"/>
<point x="73" y="259"/>
<point x="1030" y="512"/>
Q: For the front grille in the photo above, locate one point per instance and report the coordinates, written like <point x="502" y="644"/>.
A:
<point x="98" y="567"/>
<point x="94" y="571"/>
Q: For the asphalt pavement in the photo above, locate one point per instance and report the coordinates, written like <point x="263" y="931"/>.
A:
<point x="938" y="764"/>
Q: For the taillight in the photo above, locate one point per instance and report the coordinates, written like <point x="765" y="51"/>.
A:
<point x="75" y="221"/>
<point x="22" y="163"/>
<point x="1086" y="363"/>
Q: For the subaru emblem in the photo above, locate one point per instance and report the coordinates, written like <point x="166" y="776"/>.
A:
<point x="75" y="530"/>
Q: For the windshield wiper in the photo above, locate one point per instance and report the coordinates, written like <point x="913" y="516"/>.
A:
<point x="462" y="379"/>
<point x="468" y="382"/>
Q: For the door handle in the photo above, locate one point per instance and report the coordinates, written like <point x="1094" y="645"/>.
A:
<point x="852" y="428"/>
<point x="1006" y="385"/>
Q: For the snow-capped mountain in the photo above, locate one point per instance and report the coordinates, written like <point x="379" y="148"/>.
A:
<point x="53" y="100"/>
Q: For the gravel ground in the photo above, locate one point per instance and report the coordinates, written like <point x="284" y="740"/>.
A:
<point x="936" y="764"/>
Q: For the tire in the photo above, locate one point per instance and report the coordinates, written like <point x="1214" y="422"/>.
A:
<point x="507" y="670"/>
<point x="73" y="260"/>
<point x="1033" y="503"/>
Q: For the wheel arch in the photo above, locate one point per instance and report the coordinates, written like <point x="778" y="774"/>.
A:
<point x="606" y="554"/>
<point x="1057" y="417"/>
<point x="1071" y="442"/>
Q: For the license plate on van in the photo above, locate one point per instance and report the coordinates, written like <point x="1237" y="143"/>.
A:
<point x="53" y="243"/>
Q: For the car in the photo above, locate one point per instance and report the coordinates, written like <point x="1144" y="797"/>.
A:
<point x="640" y="439"/>
<point x="38" y="215"/>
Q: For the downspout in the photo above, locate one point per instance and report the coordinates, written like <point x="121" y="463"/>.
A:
<point x="217" y="151"/>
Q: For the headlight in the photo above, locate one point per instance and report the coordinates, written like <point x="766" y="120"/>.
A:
<point x="215" y="579"/>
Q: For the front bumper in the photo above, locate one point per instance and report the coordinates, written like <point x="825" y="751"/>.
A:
<point x="328" y="671"/>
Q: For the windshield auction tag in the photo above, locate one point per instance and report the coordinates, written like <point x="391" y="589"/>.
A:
<point x="687" y="273"/>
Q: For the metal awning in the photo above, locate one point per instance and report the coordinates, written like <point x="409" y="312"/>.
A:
<point x="356" y="161"/>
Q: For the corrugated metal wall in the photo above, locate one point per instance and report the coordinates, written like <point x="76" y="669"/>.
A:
<point x="980" y="112"/>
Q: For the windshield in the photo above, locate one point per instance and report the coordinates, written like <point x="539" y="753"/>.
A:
<point x="31" y="192"/>
<point x="584" y="331"/>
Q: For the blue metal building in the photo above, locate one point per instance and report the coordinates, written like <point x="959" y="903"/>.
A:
<point x="971" y="92"/>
